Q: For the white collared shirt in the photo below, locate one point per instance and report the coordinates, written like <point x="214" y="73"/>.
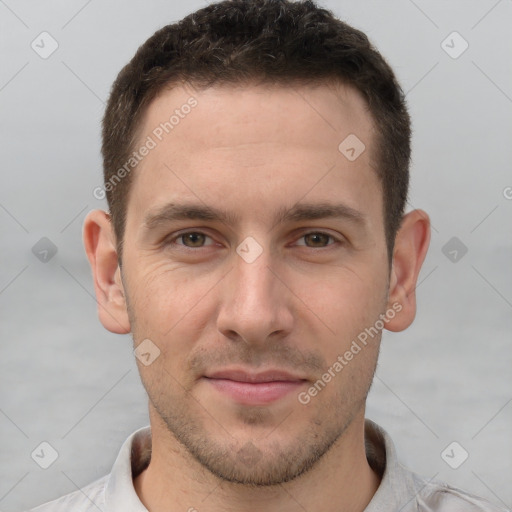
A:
<point x="400" y="489"/>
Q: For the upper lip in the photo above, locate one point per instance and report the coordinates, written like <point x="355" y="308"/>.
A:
<point x="247" y="376"/>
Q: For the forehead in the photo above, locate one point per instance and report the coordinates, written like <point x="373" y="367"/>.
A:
<point x="280" y="141"/>
<point x="243" y="114"/>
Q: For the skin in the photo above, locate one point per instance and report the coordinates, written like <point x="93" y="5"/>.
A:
<point x="254" y="151"/>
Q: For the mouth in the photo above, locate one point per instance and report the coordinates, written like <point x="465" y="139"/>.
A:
<point x="249" y="388"/>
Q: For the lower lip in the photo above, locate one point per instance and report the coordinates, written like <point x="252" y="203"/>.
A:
<point x="255" y="393"/>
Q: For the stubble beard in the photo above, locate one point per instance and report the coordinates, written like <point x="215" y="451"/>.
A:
<point x="255" y="461"/>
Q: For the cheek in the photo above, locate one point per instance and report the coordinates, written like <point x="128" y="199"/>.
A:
<point x="345" y="300"/>
<point x="348" y="306"/>
<point x="170" y="305"/>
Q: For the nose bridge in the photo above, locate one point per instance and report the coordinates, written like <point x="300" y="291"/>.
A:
<point x="254" y="283"/>
<point x="254" y="305"/>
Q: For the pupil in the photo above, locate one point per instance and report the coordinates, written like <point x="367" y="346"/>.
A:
<point x="317" y="238"/>
<point x="195" y="238"/>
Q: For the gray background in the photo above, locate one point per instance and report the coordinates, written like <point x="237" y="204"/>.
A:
<point x="67" y="381"/>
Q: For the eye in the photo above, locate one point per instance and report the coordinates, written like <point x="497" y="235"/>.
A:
<point x="192" y="239"/>
<point x="317" y="239"/>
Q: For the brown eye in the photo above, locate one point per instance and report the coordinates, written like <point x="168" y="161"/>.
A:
<point x="193" y="239"/>
<point x="317" y="239"/>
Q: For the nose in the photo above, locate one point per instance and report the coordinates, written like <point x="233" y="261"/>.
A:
<point x="255" y="305"/>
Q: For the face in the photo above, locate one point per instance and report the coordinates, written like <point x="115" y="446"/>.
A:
<point x="254" y="255"/>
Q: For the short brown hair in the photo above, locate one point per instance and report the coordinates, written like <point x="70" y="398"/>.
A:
<point x="244" y="41"/>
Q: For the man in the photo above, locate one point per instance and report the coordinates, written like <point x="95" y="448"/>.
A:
<point x="256" y="168"/>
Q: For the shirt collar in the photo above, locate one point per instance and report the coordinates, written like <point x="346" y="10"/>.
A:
<point x="134" y="456"/>
<point x="398" y="488"/>
<point x="397" y="484"/>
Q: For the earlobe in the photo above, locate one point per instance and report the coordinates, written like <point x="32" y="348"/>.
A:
<point x="411" y="245"/>
<point x="99" y="243"/>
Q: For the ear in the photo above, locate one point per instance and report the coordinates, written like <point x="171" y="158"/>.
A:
<point x="99" y="242"/>
<point x="411" y="244"/>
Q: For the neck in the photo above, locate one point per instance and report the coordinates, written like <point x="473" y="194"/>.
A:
<point x="341" y="480"/>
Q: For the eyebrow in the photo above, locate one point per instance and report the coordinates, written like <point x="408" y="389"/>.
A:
<point x="172" y="212"/>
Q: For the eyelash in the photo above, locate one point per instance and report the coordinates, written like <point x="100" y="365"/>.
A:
<point x="172" y="240"/>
